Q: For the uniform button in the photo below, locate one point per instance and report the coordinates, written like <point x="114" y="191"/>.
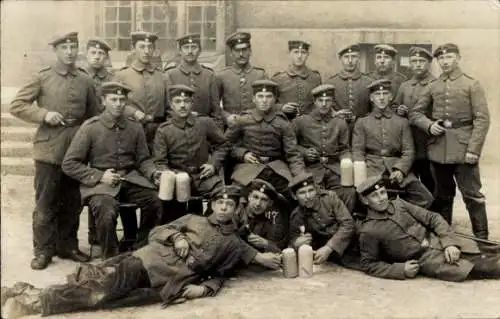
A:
<point x="447" y="101"/>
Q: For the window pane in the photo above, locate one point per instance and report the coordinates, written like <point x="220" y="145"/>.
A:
<point x="210" y="30"/>
<point x="210" y="13"/>
<point x="110" y="30"/>
<point x="112" y="42"/>
<point x="159" y="13"/>
<point x="146" y="13"/>
<point x="124" y="44"/>
<point x="160" y="29"/>
<point x="194" y="27"/>
<point x="172" y="29"/>
<point x="124" y="30"/>
<point x="127" y="3"/>
<point x="208" y="44"/>
<point x="172" y="13"/>
<point x="194" y="13"/>
<point x="125" y="14"/>
<point x="110" y="14"/>
<point x="146" y="26"/>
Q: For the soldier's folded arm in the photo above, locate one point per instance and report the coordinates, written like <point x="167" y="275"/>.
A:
<point x="358" y="141"/>
<point x="296" y="125"/>
<point x="22" y="105"/>
<point x="293" y="156"/>
<point x="218" y="140"/>
<point x="371" y="262"/>
<point x="480" y="119"/>
<point x="143" y="159"/>
<point x="418" y="113"/>
<point x="167" y="234"/>
<point x="160" y="151"/>
<point x="405" y="162"/>
<point x="344" y="149"/>
<point x="75" y="162"/>
<point x="342" y="237"/>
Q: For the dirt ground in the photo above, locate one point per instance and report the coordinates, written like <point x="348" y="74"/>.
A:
<point x="332" y="292"/>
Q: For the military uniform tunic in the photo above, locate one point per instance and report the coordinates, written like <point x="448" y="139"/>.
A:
<point x="351" y="92"/>
<point x="295" y="87"/>
<point x="395" y="77"/>
<point x="99" y="76"/>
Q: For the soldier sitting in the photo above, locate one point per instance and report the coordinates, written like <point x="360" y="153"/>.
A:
<point x="323" y="140"/>
<point x="261" y="223"/>
<point x="182" y="145"/>
<point x="384" y="141"/>
<point x="185" y="259"/>
<point x="322" y="221"/>
<point x="264" y="142"/>
<point x="399" y="240"/>
<point x="110" y="158"/>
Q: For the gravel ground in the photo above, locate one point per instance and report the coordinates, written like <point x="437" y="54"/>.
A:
<point x="332" y="292"/>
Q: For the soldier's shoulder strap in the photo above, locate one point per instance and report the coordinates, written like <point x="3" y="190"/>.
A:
<point x="469" y="77"/>
<point x="278" y="74"/>
<point x="259" y="69"/>
<point x="316" y="72"/>
<point x="83" y="70"/>
<point x="203" y="65"/>
<point x="169" y="66"/>
<point x="45" y="69"/>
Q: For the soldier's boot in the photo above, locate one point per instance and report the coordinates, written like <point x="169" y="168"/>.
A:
<point x="24" y="304"/>
<point x="443" y="206"/>
<point x="92" y="234"/>
<point x="477" y="213"/>
<point x="40" y="262"/>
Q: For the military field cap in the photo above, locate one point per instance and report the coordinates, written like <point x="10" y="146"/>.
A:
<point x="180" y="90"/>
<point x="263" y="187"/>
<point x="71" y="37"/>
<point x="98" y="44"/>
<point x="386" y="49"/>
<point x="229" y="191"/>
<point x="420" y="52"/>
<point x="301" y="180"/>
<point x="298" y="44"/>
<point x="379" y="85"/>
<point x="323" y="90"/>
<point x="238" y="38"/>
<point x="143" y="36"/>
<point x="114" y="88"/>
<point x="369" y="185"/>
<point x="446" y="48"/>
<point x="349" y="49"/>
<point x="265" y="86"/>
<point x="189" y="38"/>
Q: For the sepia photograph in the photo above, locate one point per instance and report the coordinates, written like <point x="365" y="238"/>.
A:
<point x="250" y="159"/>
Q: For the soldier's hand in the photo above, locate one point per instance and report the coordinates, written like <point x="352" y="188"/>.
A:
<point x="181" y="247"/>
<point x="411" y="268"/>
<point x="344" y="113"/>
<point x="436" y="129"/>
<point x="402" y="110"/>
<point x="268" y="260"/>
<point x="257" y="241"/>
<point x="471" y="158"/>
<point x="451" y="254"/>
<point x="396" y="176"/>
<point x="139" y="116"/>
<point x="322" y="254"/>
<point x="54" y="118"/>
<point x="156" y="178"/>
<point x="232" y="120"/>
<point x="193" y="291"/>
<point x="250" y="157"/>
<point x="290" y="108"/>
<point x="207" y="170"/>
<point x="110" y="177"/>
<point x="305" y="239"/>
<point x="311" y="154"/>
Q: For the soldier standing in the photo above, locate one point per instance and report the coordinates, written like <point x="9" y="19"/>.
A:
<point x="65" y="97"/>
<point x="454" y="111"/>
<point x="296" y="82"/>
<point x="193" y="74"/>
<point x="408" y="94"/>
<point x="235" y="81"/>
<point x="385" y="57"/>
<point x="351" y="86"/>
<point x="97" y="54"/>
<point x="149" y="89"/>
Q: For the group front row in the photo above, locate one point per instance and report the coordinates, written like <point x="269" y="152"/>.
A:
<point x="190" y="257"/>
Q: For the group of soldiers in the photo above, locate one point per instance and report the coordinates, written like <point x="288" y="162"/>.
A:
<point x="268" y="154"/>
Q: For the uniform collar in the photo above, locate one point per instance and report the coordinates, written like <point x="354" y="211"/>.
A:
<point x="387" y="112"/>
<point x="187" y="69"/>
<point x="455" y="74"/>
<point x="266" y="117"/>
<point x="316" y="115"/>
<point x="238" y="70"/>
<point x="225" y="229"/>
<point x="372" y="214"/>
<point x="108" y="121"/>
<point x="139" y="66"/>
<point x="101" y="73"/>
<point x="303" y="73"/>
<point x="422" y="81"/>
<point x="387" y="75"/>
<point x="63" y="69"/>
<point x="182" y="123"/>
<point x="347" y="75"/>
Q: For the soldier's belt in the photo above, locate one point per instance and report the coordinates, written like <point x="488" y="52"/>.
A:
<point x="384" y="152"/>
<point x="446" y="123"/>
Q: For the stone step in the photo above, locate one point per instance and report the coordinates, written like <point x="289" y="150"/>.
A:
<point x="17" y="166"/>
<point x="8" y="119"/>
<point x="16" y="149"/>
<point x="17" y="133"/>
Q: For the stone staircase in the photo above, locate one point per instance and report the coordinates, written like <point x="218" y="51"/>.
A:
<point x="16" y="137"/>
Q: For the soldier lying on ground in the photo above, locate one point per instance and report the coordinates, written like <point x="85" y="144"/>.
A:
<point x="185" y="259"/>
<point x="400" y="240"/>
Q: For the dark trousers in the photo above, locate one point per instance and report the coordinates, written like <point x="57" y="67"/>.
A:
<point x="422" y="169"/>
<point x="416" y="193"/>
<point x="279" y="182"/>
<point x="120" y="281"/>
<point x="347" y="195"/>
<point x="56" y="217"/>
<point x="105" y="209"/>
<point x="467" y="177"/>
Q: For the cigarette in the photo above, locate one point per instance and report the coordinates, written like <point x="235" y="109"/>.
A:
<point x="123" y="179"/>
<point x="63" y="123"/>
